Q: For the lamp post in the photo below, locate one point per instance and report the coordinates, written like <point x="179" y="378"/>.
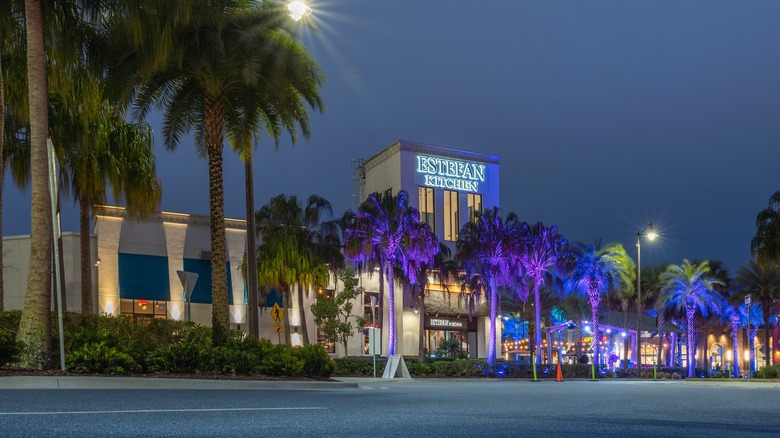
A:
<point x="650" y="234"/>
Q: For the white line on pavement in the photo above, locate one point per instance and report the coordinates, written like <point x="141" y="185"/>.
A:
<point x="149" y="411"/>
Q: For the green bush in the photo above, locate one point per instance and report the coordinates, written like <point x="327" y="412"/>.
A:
<point x="445" y="368"/>
<point x="358" y="366"/>
<point x="9" y="348"/>
<point x="419" y="368"/>
<point x="770" y="372"/>
<point x="98" y="357"/>
<point x="186" y="354"/>
<point x="281" y="361"/>
<point x="316" y="362"/>
<point x="241" y="354"/>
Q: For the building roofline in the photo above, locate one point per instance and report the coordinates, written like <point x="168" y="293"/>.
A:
<point x="403" y="145"/>
<point x="169" y="217"/>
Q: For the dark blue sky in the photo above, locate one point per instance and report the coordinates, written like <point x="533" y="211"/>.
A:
<point x="608" y="114"/>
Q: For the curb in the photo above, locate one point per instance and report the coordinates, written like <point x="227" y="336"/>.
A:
<point x="97" y="382"/>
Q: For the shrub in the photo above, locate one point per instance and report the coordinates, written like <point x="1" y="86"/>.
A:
<point x="445" y="368"/>
<point x="316" y="362"/>
<point x="358" y="366"/>
<point x="770" y="372"/>
<point x="98" y="357"/>
<point x="187" y="354"/>
<point x="417" y="368"/>
<point x="280" y="361"/>
<point x="9" y="349"/>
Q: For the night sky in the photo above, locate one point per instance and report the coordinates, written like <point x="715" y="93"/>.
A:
<point x="608" y="115"/>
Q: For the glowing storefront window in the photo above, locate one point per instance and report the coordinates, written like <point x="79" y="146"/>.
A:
<point x="474" y="203"/>
<point x="427" y="211"/>
<point x="451" y="216"/>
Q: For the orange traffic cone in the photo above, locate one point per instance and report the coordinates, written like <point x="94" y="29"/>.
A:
<point x="559" y="375"/>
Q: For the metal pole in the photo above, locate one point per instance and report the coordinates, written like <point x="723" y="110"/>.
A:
<point x="56" y="231"/>
<point x="638" y="299"/>
<point x="750" y="352"/>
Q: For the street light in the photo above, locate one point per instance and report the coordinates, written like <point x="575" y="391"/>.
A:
<point x="298" y="10"/>
<point x="649" y="232"/>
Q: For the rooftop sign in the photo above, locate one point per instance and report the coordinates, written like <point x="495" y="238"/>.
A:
<point x="450" y="174"/>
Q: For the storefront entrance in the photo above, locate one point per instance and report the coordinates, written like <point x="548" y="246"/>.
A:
<point x="450" y="337"/>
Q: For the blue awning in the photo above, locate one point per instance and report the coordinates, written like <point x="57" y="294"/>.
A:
<point x="202" y="291"/>
<point x="143" y="277"/>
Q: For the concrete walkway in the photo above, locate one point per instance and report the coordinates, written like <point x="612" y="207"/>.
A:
<point x="106" y="382"/>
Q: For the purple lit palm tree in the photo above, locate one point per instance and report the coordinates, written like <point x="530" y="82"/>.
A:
<point x="487" y="248"/>
<point x="737" y="317"/>
<point x="541" y="249"/>
<point x="597" y="271"/>
<point x="690" y="287"/>
<point x="387" y="231"/>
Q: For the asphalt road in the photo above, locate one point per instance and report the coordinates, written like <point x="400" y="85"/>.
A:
<point x="422" y="407"/>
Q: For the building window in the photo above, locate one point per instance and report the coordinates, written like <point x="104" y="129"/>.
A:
<point x="474" y="204"/>
<point x="144" y="308"/>
<point x="451" y="216"/>
<point x="427" y="212"/>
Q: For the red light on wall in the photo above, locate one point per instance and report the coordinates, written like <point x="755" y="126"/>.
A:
<point x="143" y="302"/>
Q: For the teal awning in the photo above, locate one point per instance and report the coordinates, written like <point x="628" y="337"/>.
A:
<point x="143" y="277"/>
<point x="202" y="291"/>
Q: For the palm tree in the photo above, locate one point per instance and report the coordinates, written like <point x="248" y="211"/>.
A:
<point x="11" y="61"/>
<point x="294" y="250"/>
<point x="98" y="148"/>
<point x="444" y="270"/>
<point x="737" y="317"/>
<point x="761" y="279"/>
<point x="35" y="324"/>
<point x="689" y="287"/>
<point x="597" y="271"/>
<point x="541" y="250"/>
<point x="765" y="244"/>
<point x="387" y="231"/>
<point x="488" y="248"/>
<point x="213" y="79"/>
<point x="657" y="300"/>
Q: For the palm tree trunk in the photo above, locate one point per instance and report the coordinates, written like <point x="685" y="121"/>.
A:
<point x="735" y="340"/>
<point x="286" y="318"/>
<point x="391" y="348"/>
<point x="752" y="344"/>
<point x="491" y="353"/>
<point x="86" y="257"/>
<point x="421" y="342"/>
<point x="767" y="344"/>
<point x="691" y="333"/>
<point x="253" y="326"/>
<point x="302" y="312"/>
<point x="594" y="319"/>
<point x="2" y="176"/>
<point x="213" y="126"/>
<point x="661" y="324"/>
<point x="625" y="340"/>
<point x="35" y="324"/>
<point x="538" y="319"/>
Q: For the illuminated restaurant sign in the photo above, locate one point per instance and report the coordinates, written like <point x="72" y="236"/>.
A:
<point x="450" y="174"/>
<point x="447" y="323"/>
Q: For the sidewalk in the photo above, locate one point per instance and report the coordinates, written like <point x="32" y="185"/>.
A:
<point x="101" y="382"/>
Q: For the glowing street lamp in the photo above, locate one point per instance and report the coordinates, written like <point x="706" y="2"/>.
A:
<point x="648" y="232"/>
<point x="298" y="10"/>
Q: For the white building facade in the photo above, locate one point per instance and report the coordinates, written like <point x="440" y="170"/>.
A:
<point x="447" y="186"/>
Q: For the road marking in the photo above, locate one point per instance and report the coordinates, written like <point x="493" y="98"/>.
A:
<point x="150" y="411"/>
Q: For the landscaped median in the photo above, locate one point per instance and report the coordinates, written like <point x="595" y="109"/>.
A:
<point x="112" y="345"/>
